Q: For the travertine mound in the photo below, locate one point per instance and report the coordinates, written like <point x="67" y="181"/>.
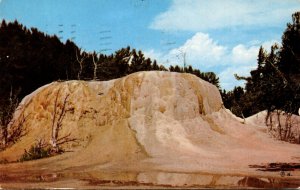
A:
<point x="147" y="120"/>
<point x="290" y="126"/>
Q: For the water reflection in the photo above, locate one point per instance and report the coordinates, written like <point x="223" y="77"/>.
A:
<point x="154" y="179"/>
<point x="206" y="180"/>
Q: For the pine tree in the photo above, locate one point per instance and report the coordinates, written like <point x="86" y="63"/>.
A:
<point x="274" y="84"/>
<point x="289" y="64"/>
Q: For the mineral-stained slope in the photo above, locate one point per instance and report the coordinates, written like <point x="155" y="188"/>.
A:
<point x="145" y="121"/>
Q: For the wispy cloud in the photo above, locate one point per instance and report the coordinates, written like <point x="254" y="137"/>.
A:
<point x="195" y="15"/>
<point x="200" y="51"/>
<point x="205" y="53"/>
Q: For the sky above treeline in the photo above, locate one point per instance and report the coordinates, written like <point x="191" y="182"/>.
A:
<point x="222" y="36"/>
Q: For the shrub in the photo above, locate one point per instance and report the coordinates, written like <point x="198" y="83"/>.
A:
<point x="39" y="150"/>
<point x="35" y="153"/>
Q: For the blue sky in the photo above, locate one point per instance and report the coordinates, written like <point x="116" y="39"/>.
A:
<point x="222" y="36"/>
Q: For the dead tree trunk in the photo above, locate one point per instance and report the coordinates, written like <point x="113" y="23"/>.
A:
<point x="53" y="141"/>
<point x="7" y="116"/>
<point x="269" y="118"/>
<point x="57" y="121"/>
<point x="288" y="126"/>
<point x="4" y="136"/>
<point x="60" y="119"/>
<point x="279" y="127"/>
<point x="80" y="61"/>
<point x="95" y="68"/>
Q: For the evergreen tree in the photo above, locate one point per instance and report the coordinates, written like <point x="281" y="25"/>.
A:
<point x="289" y="64"/>
<point x="274" y="84"/>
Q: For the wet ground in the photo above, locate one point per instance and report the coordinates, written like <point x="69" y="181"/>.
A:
<point x="154" y="179"/>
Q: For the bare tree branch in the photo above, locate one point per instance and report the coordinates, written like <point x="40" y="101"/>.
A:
<point x="95" y="68"/>
<point x="61" y="117"/>
<point x="53" y="131"/>
<point x="80" y="61"/>
<point x="57" y="121"/>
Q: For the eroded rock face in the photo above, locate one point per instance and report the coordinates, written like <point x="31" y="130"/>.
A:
<point x="153" y="105"/>
<point x="153" y="119"/>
